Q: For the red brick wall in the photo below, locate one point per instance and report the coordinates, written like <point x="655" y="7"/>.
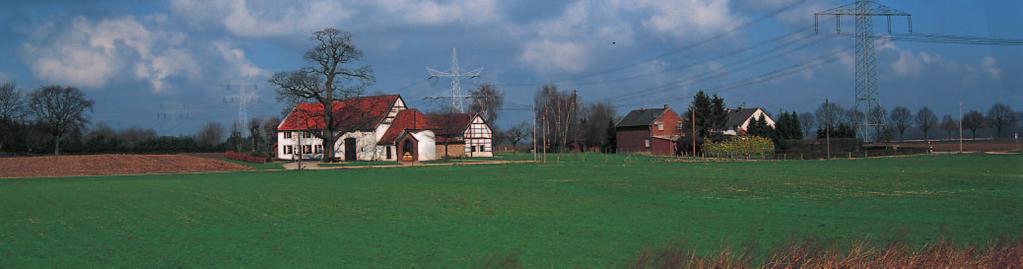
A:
<point x="671" y="121"/>
<point x="662" y="147"/>
<point x="632" y="139"/>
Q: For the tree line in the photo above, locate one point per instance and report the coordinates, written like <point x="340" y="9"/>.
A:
<point x="55" y="120"/>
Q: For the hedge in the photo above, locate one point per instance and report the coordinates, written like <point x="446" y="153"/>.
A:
<point x="740" y="146"/>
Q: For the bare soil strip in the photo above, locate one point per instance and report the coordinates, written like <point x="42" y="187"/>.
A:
<point x="95" y="165"/>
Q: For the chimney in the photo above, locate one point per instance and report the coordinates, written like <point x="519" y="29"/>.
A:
<point x="665" y="106"/>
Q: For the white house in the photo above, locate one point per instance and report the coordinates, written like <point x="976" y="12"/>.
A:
<point x="739" y="120"/>
<point x="383" y="128"/>
<point x="363" y="119"/>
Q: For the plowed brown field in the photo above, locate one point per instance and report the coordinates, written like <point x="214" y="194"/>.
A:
<point x="52" y="166"/>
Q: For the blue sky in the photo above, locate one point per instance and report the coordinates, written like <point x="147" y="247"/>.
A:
<point x="141" y="59"/>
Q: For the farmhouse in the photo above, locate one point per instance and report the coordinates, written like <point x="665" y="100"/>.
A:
<point x="382" y="128"/>
<point x="739" y="120"/>
<point x="649" y="130"/>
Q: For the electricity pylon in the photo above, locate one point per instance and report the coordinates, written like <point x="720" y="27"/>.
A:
<point x="245" y="96"/>
<point x="457" y="97"/>
<point x="866" y="60"/>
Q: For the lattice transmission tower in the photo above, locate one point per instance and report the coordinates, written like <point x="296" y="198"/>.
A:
<point x="245" y="95"/>
<point x="866" y="88"/>
<point x="455" y="74"/>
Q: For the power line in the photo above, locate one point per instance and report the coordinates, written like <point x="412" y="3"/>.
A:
<point x="741" y="64"/>
<point x="666" y="54"/>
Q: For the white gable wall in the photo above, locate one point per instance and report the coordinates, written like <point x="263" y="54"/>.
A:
<point x="478" y="139"/>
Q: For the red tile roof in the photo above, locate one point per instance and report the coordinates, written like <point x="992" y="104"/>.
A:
<point x="362" y="113"/>
<point x="405" y="120"/>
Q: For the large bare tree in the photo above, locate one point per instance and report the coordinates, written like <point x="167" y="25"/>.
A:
<point x="901" y="119"/>
<point x="210" y="135"/>
<point x="61" y="109"/>
<point x="925" y="120"/>
<point x="1000" y="117"/>
<point x="328" y="77"/>
<point x="487" y="101"/>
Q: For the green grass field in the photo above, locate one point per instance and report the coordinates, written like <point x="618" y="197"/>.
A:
<point x="587" y="210"/>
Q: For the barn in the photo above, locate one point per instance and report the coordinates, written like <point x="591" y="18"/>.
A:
<point x="383" y="128"/>
<point x="649" y="130"/>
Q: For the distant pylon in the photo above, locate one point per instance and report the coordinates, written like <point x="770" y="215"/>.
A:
<point x="245" y="96"/>
<point x="457" y="97"/>
<point x="866" y="87"/>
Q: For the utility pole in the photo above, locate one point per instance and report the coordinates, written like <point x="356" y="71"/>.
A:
<point x="534" y="133"/>
<point x="693" y="122"/>
<point x="960" y="127"/>
<point x="455" y="74"/>
<point x="866" y="89"/>
<point x="827" y="130"/>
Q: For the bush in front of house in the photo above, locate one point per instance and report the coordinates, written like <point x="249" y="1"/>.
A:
<point x="739" y="146"/>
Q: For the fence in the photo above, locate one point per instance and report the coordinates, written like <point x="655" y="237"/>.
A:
<point x="816" y="155"/>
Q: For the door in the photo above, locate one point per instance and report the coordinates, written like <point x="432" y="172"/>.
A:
<point x="349" y="149"/>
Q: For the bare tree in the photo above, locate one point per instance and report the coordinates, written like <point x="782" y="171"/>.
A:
<point x="255" y="134"/>
<point x="210" y="135"/>
<point x="973" y="121"/>
<point x="12" y="105"/>
<point x="807" y="121"/>
<point x="12" y="109"/>
<point x="949" y="125"/>
<point x="326" y="79"/>
<point x="925" y="119"/>
<point x="270" y="135"/>
<point x="516" y="134"/>
<point x="829" y="115"/>
<point x="901" y="119"/>
<point x="61" y="109"/>
<point x="1000" y="117"/>
<point x="594" y="121"/>
<point x="487" y="101"/>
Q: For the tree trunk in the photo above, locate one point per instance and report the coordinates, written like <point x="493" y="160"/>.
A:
<point x="56" y="146"/>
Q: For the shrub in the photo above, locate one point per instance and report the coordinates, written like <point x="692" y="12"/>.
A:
<point x="245" y="157"/>
<point x="740" y="146"/>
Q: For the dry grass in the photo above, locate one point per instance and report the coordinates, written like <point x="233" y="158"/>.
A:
<point x="812" y="253"/>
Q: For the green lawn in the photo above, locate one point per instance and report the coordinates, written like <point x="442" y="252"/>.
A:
<point x="588" y="210"/>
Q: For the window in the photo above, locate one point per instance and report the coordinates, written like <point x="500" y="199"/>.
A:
<point x="288" y="150"/>
<point x="388" y="152"/>
<point x="660" y="126"/>
<point x="307" y="135"/>
<point x="319" y="148"/>
<point x="647" y="143"/>
<point x="287" y="134"/>
<point x="307" y="149"/>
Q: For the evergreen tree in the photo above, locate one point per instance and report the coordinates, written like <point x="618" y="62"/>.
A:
<point x="611" y="143"/>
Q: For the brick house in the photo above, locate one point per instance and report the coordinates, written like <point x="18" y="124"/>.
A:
<point x="649" y="130"/>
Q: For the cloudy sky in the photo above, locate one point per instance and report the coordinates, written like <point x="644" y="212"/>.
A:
<point x="142" y="59"/>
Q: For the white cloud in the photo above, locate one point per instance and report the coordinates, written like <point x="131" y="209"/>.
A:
<point x="91" y="54"/>
<point x="235" y="58"/>
<point x="564" y="43"/>
<point x="546" y="55"/>
<point x="990" y="66"/>
<point x="683" y="19"/>
<point x="432" y="13"/>
<point x="263" y="18"/>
